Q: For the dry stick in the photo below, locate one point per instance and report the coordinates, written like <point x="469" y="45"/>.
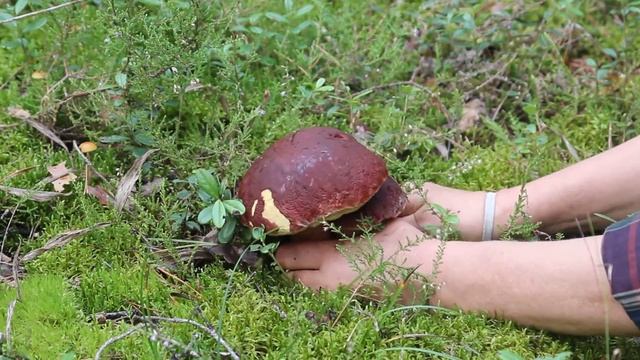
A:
<point x="103" y="317"/>
<point x="77" y="94"/>
<point x="117" y="338"/>
<point x="211" y="332"/>
<point x="53" y="8"/>
<point x="495" y="76"/>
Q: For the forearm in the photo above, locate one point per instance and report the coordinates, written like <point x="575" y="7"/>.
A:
<point x="559" y="286"/>
<point x="606" y="183"/>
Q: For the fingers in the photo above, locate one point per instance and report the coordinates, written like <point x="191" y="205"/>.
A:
<point x="415" y="201"/>
<point x="313" y="279"/>
<point x="304" y="254"/>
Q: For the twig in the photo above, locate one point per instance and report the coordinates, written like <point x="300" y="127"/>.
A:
<point x="117" y="338"/>
<point x="76" y="94"/>
<point x="170" y="343"/>
<point x="495" y="76"/>
<point x="38" y="12"/>
<point x="210" y="331"/>
<point x="140" y="320"/>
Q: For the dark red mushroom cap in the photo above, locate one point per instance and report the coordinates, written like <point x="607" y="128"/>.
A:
<point x="310" y="175"/>
<point x="386" y="204"/>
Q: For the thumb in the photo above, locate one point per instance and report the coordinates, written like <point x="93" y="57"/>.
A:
<point x="415" y="201"/>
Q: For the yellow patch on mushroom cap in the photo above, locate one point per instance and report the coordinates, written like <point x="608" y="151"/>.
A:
<point x="271" y="213"/>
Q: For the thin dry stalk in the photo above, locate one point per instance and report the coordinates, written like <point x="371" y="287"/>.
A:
<point x="38" y="12"/>
<point x="61" y="240"/>
<point x="117" y="338"/>
<point x="142" y="320"/>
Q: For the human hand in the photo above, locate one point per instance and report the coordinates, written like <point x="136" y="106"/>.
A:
<point x="318" y="264"/>
<point x="467" y="205"/>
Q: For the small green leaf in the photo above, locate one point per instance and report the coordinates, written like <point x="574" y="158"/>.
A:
<point x="208" y="183"/>
<point x="206" y="198"/>
<point x="121" y="79"/>
<point x="610" y="52"/>
<point x="508" y="355"/>
<point x="320" y="82"/>
<point x="276" y="17"/>
<point x="112" y="139"/>
<point x="591" y="63"/>
<point x="288" y="4"/>
<point x="20" y="5"/>
<point x="205" y="215"/>
<point x="304" y="10"/>
<point x="257" y="233"/>
<point x="183" y="194"/>
<point x="151" y="2"/>
<point x="5" y="16"/>
<point x="218" y="214"/>
<point x="303" y="25"/>
<point x="234" y="206"/>
<point x="35" y="25"/>
<point x="226" y="233"/>
<point x="326" y="88"/>
<point x="144" y="138"/>
<point x="68" y="356"/>
<point x="602" y="74"/>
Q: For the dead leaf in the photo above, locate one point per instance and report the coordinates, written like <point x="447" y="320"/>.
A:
<point x="25" y="116"/>
<point x="152" y="186"/>
<point x="61" y="176"/>
<point x="61" y="240"/>
<point x="34" y="195"/>
<point x="39" y="75"/>
<point x="580" y="66"/>
<point x="101" y="194"/>
<point x="472" y="112"/>
<point x="128" y="181"/>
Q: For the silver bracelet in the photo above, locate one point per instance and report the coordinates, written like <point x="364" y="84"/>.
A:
<point x="489" y="215"/>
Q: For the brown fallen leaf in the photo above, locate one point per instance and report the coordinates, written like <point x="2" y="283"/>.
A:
<point x="61" y="240"/>
<point x="34" y="195"/>
<point x="101" y="194"/>
<point x="25" y="116"/>
<point x="128" y="181"/>
<point x="472" y="112"/>
<point x="61" y="176"/>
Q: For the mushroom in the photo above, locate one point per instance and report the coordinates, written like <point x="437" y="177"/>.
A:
<point x="317" y="174"/>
